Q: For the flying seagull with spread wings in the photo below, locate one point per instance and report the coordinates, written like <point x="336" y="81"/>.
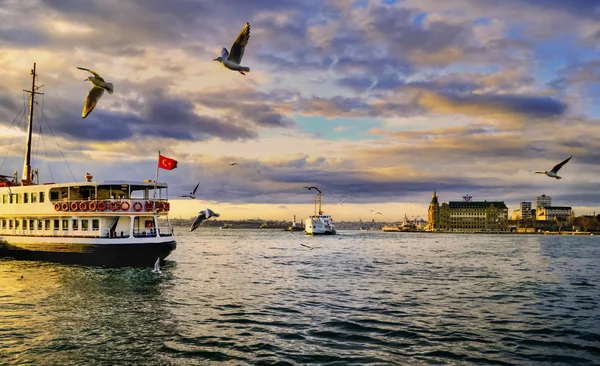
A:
<point x="203" y="215"/>
<point x="553" y="173"/>
<point x="232" y="60"/>
<point x="376" y="212"/>
<point x="97" y="90"/>
<point x="232" y="164"/>
<point x="192" y="194"/>
<point x="344" y="200"/>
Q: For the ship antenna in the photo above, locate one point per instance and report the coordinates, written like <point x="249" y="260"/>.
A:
<point x="26" y="180"/>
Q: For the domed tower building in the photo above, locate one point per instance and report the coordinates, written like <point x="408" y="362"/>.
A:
<point x="433" y="215"/>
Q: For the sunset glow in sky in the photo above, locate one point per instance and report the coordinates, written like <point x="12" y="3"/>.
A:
<point x="382" y="101"/>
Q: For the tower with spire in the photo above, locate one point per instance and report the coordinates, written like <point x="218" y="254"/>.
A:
<point x="433" y="215"/>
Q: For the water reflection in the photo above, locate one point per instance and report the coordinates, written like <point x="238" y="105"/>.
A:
<point x="82" y="315"/>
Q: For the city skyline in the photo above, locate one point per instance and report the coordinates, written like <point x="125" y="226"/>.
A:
<point x="382" y="101"/>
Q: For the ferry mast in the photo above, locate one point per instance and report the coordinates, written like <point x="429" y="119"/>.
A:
<point x="27" y="178"/>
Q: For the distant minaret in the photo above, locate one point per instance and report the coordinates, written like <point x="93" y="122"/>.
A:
<point x="294" y="223"/>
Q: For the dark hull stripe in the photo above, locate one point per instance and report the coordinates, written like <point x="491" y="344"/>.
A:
<point x="109" y="255"/>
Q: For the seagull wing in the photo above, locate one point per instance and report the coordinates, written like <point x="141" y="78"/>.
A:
<point x="195" y="189"/>
<point x="197" y="221"/>
<point x="93" y="72"/>
<point x="238" y="47"/>
<point x="92" y="99"/>
<point x="557" y="167"/>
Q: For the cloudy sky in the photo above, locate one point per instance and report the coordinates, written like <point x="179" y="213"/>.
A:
<point x="383" y="101"/>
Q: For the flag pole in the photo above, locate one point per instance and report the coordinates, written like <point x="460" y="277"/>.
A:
<point x="156" y="180"/>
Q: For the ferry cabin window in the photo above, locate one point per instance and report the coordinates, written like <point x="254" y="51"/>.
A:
<point x="65" y="224"/>
<point x="42" y="197"/>
<point x="59" y="194"/>
<point x="75" y="226"/>
<point x="84" y="225"/>
<point x="47" y="224"/>
<point x="10" y="198"/>
<point x="115" y="191"/>
<point x="33" y="197"/>
<point x="40" y="225"/>
<point x="17" y="224"/>
<point x="18" y="198"/>
<point x="56" y="224"/>
<point x="5" y="198"/>
<point x="10" y="224"/>
<point x="95" y="224"/>
<point x="81" y="193"/>
<point x="25" y="225"/>
<point x="3" y="223"/>
<point x="25" y="197"/>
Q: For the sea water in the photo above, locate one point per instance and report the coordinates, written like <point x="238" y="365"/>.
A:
<point x="272" y="297"/>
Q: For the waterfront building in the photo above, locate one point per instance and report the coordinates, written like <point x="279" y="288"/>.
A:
<point x="525" y="208"/>
<point x="516" y="215"/>
<point x="543" y="201"/>
<point x="560" y="213"/>
<point x="433" y="215"/>
<point x="468" y="216"/>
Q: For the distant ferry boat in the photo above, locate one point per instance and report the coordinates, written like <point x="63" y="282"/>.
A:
<point x="319" y="224"/>
<point x="99" y="223"/>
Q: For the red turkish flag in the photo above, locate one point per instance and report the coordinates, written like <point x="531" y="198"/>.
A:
<point x="166" y="163"/>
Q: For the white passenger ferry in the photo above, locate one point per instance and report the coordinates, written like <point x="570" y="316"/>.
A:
<point x="319" y="224"/>
<point x="100" y="223"/>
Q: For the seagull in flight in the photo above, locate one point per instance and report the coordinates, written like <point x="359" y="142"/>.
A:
<point x="232" y="60"/>
<point x="157" y="266"/>
<point x="232" y="164"/>
<point x="376" y="212"/>
<point x="97" y="90"/>
<point x="344" y="200"/>
<point x="192" y="194"/>
<point x="553" y="173"/>
<point x="203" y="215"/>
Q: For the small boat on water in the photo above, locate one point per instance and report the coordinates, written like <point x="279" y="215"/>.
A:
<point x="319" y="224"/>
<point x="111" y="223"/>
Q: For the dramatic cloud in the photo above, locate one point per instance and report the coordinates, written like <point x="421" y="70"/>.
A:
<point x="383" y="100"/>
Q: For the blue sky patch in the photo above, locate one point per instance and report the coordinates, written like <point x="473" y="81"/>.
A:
<point x="354" y="129"/>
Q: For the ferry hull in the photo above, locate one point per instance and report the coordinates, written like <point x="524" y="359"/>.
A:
<point x="318" y="227"/>
<point x="94" y="254"/>
<point x="321" y="233"/>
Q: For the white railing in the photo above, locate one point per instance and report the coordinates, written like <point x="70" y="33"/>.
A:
<point x="92" y="233"/>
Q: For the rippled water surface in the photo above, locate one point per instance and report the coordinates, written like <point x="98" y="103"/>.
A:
<point x="260" y="297"/>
